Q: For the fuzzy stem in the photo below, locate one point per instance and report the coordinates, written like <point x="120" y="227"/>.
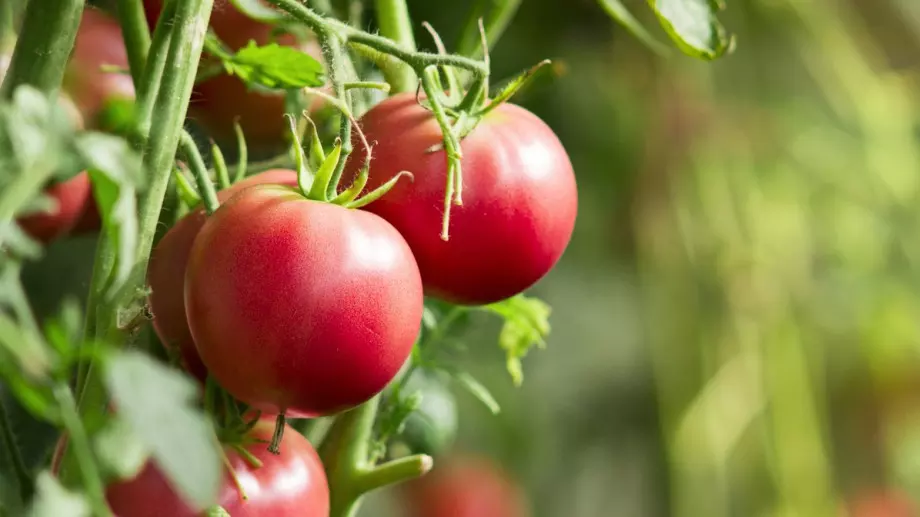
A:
<point x="393" y="19"/>
<point x="48" y="30"/>
<point x="196" y="164"/>
<point x="92" y="479"/>
<point x="136" y="35"/>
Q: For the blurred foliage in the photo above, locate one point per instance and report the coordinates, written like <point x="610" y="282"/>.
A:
<point x="735" y="322"/>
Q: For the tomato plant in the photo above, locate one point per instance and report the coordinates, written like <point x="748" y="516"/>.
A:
<point x="291" y="484"/>
<point x="166" y="273"/>
<point x="296" y="292"/>
<point x="518" y="212"/>
<point x="321" y="326"/>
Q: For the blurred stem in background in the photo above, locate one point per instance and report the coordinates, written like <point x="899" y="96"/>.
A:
<point x="745" y="255"/>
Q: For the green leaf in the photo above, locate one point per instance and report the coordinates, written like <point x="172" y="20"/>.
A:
<point x="275" y="66"/>
<point x="693" y="26"/>
<point x="25" y="350"/>
<point x="53" y="500"/>
<point x="621" y="15"/>
<point x="157" y="403"/>
<point x="476" y="389"/>
<point x="526" y="325"/>
<point x="118" y="208"/>
<point x="120" y="451"/>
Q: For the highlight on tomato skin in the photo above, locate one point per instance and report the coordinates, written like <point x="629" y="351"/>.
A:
<point x="166" y="273"/>
<point x="465" y="486"/>
<point x="301" y="306"/>
<point x="290" y="484"/>
<point x="519" y="198"/>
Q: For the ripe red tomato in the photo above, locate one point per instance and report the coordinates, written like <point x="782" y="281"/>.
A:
<point x="166" y="273"/>
<point x="219" y="101"/>
<point x="98" y="42"/>
<point x="883" y="503"/>
<point x="71" y="198"/>
<point x="292" y="484"/>
<point x="519" y="198"/>
<point x="465" y="487"/>
<point x="301" y="306"/>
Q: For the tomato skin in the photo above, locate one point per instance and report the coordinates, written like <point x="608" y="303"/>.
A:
<point x="166" y="273"/>
<point x="292" y="484"/>
<point x="882" y="503"/>
<point x="98" y="42"/>
<point x="301" y="306"/>
<point x="71" y="197"/>
<point x="465" y="487"/>
<point x="519" y="198"/>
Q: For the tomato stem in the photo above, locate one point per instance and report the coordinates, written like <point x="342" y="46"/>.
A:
<point x="220" y="166"/>
<point x="395" y="23"/>
<point x="15" y="456"/>
<point x="153" y="70"/>
<point x="494" y="16"/>
<point x="205" y="187"/>
<point x="136" y="35"/>
<point x="280" y="422"/>
<point x="49" y="30"/>
<point x="242" y="151"/>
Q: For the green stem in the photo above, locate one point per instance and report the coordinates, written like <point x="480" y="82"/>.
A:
<point x="185" y="43"/>
<point x="202" y="179"/>
<point x="48" y="30"/>
<point x="92" y="480"/>
<point x="7" y="29"/>
<point x="148" y="90"/>
<point x="136" y="35"/>
<point x="395" y="23"/>
<point x="15" y="457"/>
<point x="351" y="474"/>
<point x="496" y="16"/>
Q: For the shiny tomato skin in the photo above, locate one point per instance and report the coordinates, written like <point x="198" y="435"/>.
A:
<point x="465" y="487"/>
<point x="166" y="273"/>
<point x="301" y="306"/>
<point x="292" y="484"/>
<point x="98" y="42"/>
<point x="71" y="198"/>
<point x="519" y="198"/>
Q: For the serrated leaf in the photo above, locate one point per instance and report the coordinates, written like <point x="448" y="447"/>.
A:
<point x="53" y="500"/>
<point x="275" y="66"/>
<point x="476" y="389"/>
<point x="693" y="26"/>
<point x="526" y="325"/>
<point x="157" y="403"/>
<point x="621" y="15"/>
<point x="119" y="450"/>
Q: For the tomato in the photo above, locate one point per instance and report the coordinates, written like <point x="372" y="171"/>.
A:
<point x="98" y="42"/>
<point x="882" y="504"/>
<point x="70" y="198"/>
<point x="519" y="198"/>
<point x="219" y="101"/>
<point x="286" y="485"/>
<point x="465" y="487"/>
<point x="301" y="306"/>
<point x="166" y="273"/>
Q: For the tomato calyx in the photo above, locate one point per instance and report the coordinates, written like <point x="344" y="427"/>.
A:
<point x="318" y="185"/>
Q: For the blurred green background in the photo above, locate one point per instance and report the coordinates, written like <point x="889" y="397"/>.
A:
<point x="735" y="324"/>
